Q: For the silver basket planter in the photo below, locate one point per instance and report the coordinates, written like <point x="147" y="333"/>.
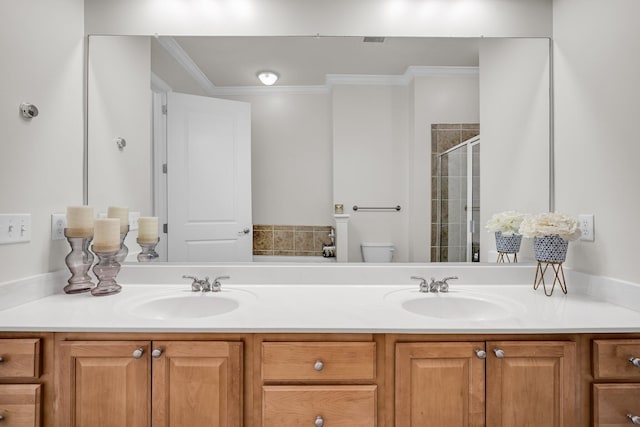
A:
<point x="552" y="248"/>
<point x="508" y="244"/>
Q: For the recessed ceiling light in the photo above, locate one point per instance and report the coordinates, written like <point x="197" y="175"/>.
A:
<point x="268" y="78"/>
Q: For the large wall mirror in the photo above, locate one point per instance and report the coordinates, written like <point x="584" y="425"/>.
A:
<point x="452" y="130"/>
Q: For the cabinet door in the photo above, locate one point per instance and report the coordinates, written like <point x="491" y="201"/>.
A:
<point x="531" y="384"/>
<point x="197" y="384"/>
<point x="104" y="384"/>
<point x="439" y="384"/>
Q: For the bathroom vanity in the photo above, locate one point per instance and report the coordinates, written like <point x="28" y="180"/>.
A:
<point x="323" y="352"/>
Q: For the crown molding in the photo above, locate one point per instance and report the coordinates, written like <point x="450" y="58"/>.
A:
<point x="266" y="90"/>
<point x="159" y="85"/>
<point x="175" y="50"/>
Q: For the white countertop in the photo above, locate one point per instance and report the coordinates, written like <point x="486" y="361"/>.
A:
<point x="341" y="308"/>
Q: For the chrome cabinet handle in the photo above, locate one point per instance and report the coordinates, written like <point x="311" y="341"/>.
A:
<point x="1" y="359"/>
<point x="244" y="231"/>
<point x="156" y="353"/>
<point x="1" y="417"/>
<point x="319" y="421"/>
<point x="635" y="420"/>
<point x="635" y="361"/>
<point x="481" y="354"/>
<point x="499" y="353"/>
<point x="138" y="352"/>
<point x="318" y="366"/>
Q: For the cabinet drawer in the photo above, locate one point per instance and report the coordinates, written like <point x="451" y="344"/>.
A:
<point x="20" y="405"/>
<point x="335" y="406"/>
<point x="612" y="403"/>
<point x="318" y="361"/>
<point x="611" y="359"/>
<point x="20" y="358"/>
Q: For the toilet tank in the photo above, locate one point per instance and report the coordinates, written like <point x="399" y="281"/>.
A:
<point x="377" y="252"/>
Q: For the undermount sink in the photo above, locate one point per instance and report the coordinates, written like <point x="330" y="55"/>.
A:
<point x="456" y="305"/>
<point x="189" y="305"/>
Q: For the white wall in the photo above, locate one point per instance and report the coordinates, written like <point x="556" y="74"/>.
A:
<point x="370" y="162"/>
<point x="443" y="18"/>
<point x="596" y="62"/>
<point x="436" y="99"/>
<point x="40" y="160"/>
<point x="291" y="158"/>
<point x="514" y="129"/>
<point x="119" y="105"/>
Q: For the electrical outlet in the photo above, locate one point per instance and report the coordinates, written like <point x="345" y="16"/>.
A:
<point x="133" y="220"/>
<point x="585" y="222"/>
<point x="58" y="224"/>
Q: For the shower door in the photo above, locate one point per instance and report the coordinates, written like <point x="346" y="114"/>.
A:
<point x="459" y="202"/>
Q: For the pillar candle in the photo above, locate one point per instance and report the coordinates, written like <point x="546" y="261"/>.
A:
<point x="79" y="221"/>
<point x="120" y="213"/>
<point x="148" y="229"/>
<point x="106" y="235"/>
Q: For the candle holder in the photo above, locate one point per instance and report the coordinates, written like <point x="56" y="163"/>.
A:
<point x="78" y="261"/>
<point x="106" y="271"/>
<point x="124" y="250"/>
<point x="148" y="253"/>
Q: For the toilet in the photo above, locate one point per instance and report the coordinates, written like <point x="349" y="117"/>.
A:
<point x="377" y="252"/>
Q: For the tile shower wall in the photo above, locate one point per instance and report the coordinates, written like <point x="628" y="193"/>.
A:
<point x="290" y="240"/>
<point x="448" y="238"/>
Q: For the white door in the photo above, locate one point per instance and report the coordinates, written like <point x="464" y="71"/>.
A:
<point x="208" y="179"/>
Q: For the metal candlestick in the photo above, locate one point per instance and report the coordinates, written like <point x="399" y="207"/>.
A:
<point x="124" y="250"/>
<point x="148" y="253"/>
<point x="106" y="271"/>
<point x="79" y="261"/>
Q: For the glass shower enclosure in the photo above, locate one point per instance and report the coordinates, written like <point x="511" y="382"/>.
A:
<point x="458" y="186"/>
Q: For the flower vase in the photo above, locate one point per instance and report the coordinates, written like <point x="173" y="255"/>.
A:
<point x="550" y="251"/>
<point x="551" y="248"/>
<point x="508" y="244"/>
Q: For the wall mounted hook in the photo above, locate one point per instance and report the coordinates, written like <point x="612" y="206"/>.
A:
<point x="29" y="111"/>
<point x="121" y="143"/>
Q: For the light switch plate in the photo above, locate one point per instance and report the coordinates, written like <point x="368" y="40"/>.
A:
<point x="15" y="228"/>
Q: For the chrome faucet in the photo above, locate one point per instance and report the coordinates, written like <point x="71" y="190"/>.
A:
<point x="204" y="285"/>
<point x="198" y="285"/>
<point x="433" y="285"/>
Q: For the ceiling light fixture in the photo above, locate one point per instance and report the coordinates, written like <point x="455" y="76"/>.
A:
<point x="268" y="78"/>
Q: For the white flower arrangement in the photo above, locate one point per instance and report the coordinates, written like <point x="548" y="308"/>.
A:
<point x="508" y="223"/>
<point x="547" y="224"/>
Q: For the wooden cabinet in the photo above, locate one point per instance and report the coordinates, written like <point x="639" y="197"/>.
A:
<point x="616" y="404"/>
<point x="20" y="358"/>
<point x="20" y="405"/>
<point x="335" y="406"/>
<point x="110" y="384"/>
<point x="526" y="383"/>
<point x="531" y="383"/>
<point x="325" y="383"/>
<point x="20" y="362"/>
<point x="439" y="384"/>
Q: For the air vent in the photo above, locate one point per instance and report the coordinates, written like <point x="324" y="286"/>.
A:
<point x="373" y="39"/>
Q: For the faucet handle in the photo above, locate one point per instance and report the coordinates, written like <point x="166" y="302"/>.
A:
<point x="444" y="286"/>
<point x="423" y="283"/>
<point x="217" y="286"/>
<point x="195" y="284"/>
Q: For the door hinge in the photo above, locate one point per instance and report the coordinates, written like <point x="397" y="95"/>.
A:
<point x="164" y="168"/>
<point x="164" y="109"/>
<point x="165" y="228"/>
